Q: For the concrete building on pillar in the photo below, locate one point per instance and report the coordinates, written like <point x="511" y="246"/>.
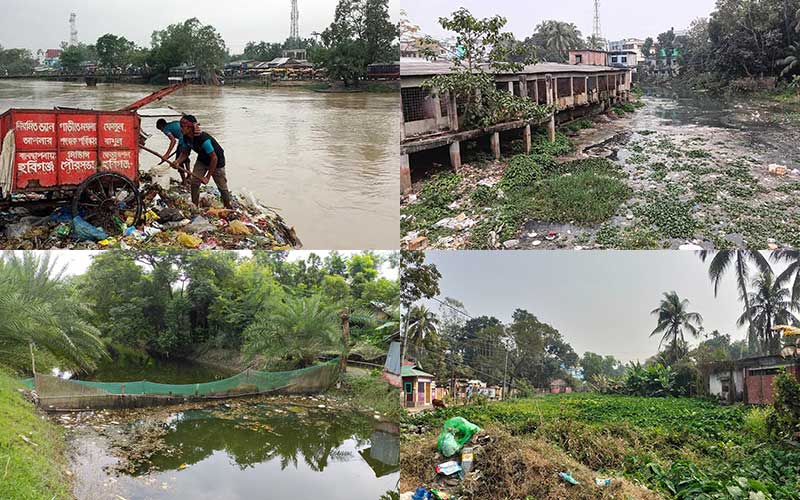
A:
<point x="431" y="119"/>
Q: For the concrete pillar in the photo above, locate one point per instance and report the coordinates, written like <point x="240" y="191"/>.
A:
<point x="551" y="128"/>
<point x="496" y="145"/>
<point x="437" y="107"/>
<point x="452" y="112"/>
<point x="455" y="155"/>
<point x="536" y="89"/>
<point x="548" y="84"/>
<point x="523" y="86"/>
<point x="526" y="138"/>
<point x="511" y="88"/>
<point x="405" y="174"/>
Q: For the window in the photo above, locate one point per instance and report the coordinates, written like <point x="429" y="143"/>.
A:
<point x="625" y="59"/>
<point x="614" y="59"/>
<point x="578" y="59"/>
<point x="409" y="387"/>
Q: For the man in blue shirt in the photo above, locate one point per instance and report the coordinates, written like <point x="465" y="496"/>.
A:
<point x="210" y="163"/>
<point x="173" y="131"/>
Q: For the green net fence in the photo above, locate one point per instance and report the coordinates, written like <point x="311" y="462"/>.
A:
<point x="61" y="393"/>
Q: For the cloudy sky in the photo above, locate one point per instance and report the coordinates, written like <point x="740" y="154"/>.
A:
<point x="619" y="18"/>
<point x="599" y="301"/>
<point x="42" y="24"/>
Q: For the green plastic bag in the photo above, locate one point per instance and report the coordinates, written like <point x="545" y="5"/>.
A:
<point x="456" y="433"/>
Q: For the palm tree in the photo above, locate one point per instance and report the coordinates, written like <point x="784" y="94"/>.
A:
<point x="741" y="261"/>
<point x="792" y="272"/>
<point x="791" y="62"/>
<point x="593" y="42"/>
<point x="423" y="327"/>
<point x="558" y="38"/>
<point x="297" y="329"/>
<point x="41" y="314"/>
<point x="770" y="305"/>
<point x="673" y="320"/>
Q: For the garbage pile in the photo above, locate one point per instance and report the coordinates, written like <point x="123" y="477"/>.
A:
<point x="466" y="462"/>
<point x="168" y="220"/>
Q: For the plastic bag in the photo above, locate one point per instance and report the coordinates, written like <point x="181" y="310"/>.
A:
<point x="456" y="433"/>
<point x="238" y="227"/>
<point x="189" y="241"/>
<point x="200" y="225"/>
<point x="83" y="231"/>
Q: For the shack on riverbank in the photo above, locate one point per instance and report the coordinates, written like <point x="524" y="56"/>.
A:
<point x="431" y="120"/>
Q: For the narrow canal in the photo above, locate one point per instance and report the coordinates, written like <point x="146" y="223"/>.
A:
<point x="328" y="162"/>
<point x="699" y="168"/>
<point x="236" y="449"/>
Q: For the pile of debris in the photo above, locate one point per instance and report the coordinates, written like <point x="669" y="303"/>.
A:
<point x="169" y="220"/>
<point x="494" y="465"/>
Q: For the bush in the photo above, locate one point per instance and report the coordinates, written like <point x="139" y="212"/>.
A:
<point x="785" y="419"/>
<point x="522" y="170"/>
<point x="755" y="422"/>
<point x="583" y="198"/>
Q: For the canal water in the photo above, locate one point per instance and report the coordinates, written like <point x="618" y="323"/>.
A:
<point x="327" y="162"/>
<point x="246" y="451"/>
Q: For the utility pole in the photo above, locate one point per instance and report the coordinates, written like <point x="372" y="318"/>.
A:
<point x="345" y="317"/>
<point x="505" y="371"/>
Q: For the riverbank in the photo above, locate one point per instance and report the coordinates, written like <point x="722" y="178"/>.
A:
<point x="33" y="462"/>
<point x="649" y="448"/>
<point x="691" y="172"/>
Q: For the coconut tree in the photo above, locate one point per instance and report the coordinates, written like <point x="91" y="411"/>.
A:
<point x="791" y="275"/>
<point x="790" y="63"/>
<point x="741" y="262"/>
<point x="558" y="38"/>
<point x="674" y="321"/>
<point x="423" y="327"/>
<point x="770" y="304"/>
<point x="295" y="329"/>
<point x="42" y="318"/>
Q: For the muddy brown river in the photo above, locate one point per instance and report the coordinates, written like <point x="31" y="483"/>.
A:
<point x="327" y="162"/>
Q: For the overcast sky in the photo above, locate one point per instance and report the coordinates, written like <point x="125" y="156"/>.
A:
<point x="78" y="261"/>
<point x="618" y="18"/>
<point x="42" y="24"/>
<point x="599" y="301"/>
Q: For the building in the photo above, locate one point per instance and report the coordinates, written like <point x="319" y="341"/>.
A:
<point x="416" y="49"/>
<point x="299" y="54"/>
<point x="626" y="44"/>
<point x="392" y="368"/>
<point x="592" y="57"/>
<point x="417" y="386"/>
<point x="52" y="58"/>
<point x="747" y="380"/>
<point x="560" y="386"/>
<point x="431" y="119"/>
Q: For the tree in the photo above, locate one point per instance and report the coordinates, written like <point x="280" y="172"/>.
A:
<point x="741" y="260"/>
<point x="423" y="328"/>
<point x="666" y="44"/>
<point x="647" y="47"/>
<point x="262" y="51"/>
<point x="43" y="318"/>
<point x="16" y="61"/>
<point x="113" y="51"/>
<point x="674" y="320"/>
<point x="790" y="63"/>
<point x="555" y="39"/>
<point x="482" y="48"/>
<point x="73" y="56"/>
<point x="595" y="365"/>
<point x="294" y="330"/>
<point x="361" y="34"/>
<point x="190" y="42"/>
<point x="770" y="305"/>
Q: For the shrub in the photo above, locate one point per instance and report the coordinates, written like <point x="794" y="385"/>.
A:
<point x="755" y="422"/>
<point x="522" y="170"/>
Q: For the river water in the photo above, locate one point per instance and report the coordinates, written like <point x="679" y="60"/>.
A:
<point x="327" y="162"/>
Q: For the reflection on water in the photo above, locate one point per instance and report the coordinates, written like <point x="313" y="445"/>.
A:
<point x="327" y="161"/>
<point x="268" y="452"/>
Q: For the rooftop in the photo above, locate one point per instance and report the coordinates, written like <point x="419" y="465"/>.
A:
<point x="428" y="68"/>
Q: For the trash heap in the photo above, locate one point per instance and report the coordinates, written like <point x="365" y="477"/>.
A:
<point x="169" y="220"/>
<point x="465" y="462"/>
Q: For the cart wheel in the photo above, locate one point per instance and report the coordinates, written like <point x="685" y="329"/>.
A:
<point x="106" y="196"/>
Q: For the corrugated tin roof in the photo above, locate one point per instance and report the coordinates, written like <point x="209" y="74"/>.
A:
<point x="411" y="371"/>
<point x="428" y="68"/>
<point x="392" y="364"/>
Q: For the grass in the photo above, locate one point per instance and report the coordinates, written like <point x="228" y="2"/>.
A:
<point x="682" y="448"/>
<point x="371" y="391"/>
<point x="29" y="471"/>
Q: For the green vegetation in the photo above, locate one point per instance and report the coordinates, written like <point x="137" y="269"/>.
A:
<point x="32" y="460"/>
<point x="683" y="448"/>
